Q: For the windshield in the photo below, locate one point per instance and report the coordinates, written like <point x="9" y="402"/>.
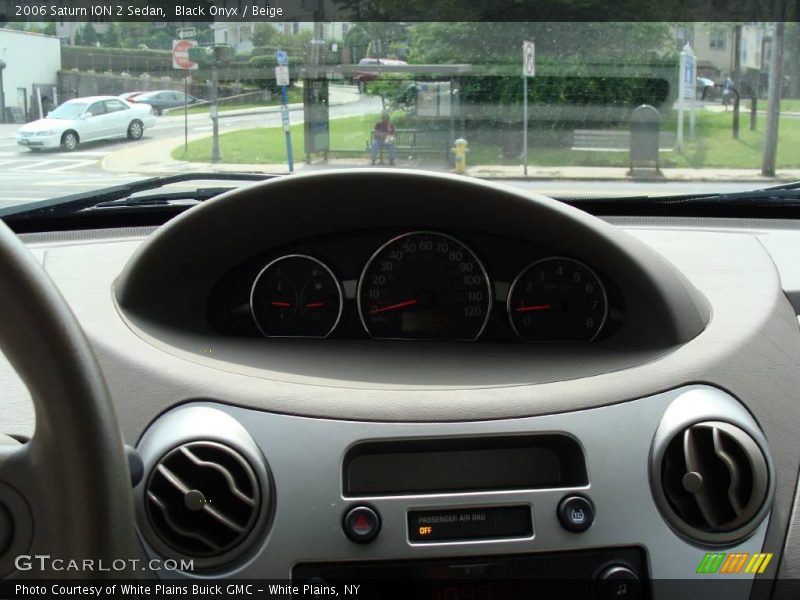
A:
<point x="563" y="108"/>
<point x="68" y="110"/>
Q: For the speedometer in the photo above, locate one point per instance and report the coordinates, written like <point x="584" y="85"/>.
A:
<point x="424" y="285"/>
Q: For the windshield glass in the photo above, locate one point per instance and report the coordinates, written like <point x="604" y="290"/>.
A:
<point x="601" y="108"/>
<point x="68" y="110"/>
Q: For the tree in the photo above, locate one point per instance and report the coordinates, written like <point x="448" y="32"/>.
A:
<point x="90" y="37"/>
<point x="566" y="43"/>
<point x="112" y="37"/>
<point x="264" y="34"/>
<point x="383" y="40"/>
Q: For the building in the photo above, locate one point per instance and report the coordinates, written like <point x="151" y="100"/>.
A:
<point x="26" y="79"/>
<point x="66" y="30"/>
<point x="714" y="47"/>
<point x="240" y="35"/>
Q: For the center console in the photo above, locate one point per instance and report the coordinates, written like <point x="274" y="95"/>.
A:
<point x="609" y="499"/>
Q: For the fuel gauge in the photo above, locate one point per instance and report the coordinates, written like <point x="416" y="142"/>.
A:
<point x="296" y="296"/>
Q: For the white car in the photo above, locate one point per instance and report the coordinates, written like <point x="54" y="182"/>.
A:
<point x="87" y="120"/>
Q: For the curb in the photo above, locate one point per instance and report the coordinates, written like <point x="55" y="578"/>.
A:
<point x="154" y="158"/>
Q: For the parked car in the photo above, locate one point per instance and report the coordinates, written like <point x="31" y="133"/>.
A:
<point x="161" y="100"/>
<point x="131" y="96"/>
<point x="372" y="74"/>
<point x="87" y="120"/>
<point x="705" y="88"/>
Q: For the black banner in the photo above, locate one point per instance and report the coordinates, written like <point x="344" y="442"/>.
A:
<point x="708" y="588"/>
<point x="243" y="11"/>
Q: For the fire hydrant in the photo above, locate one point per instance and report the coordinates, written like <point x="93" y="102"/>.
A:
<point x="460" y="150"/>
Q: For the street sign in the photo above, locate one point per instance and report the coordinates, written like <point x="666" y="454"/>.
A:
<point x="528" y="70"/>
<point x="180" y="55"/>
<point x="282" y="75"/>
<point x="686" y="91"/>
<point x="283" y="57"/>
<point x="528" y="59"/>
<point x="689" y="72"/>
<point x="187" y="32"/>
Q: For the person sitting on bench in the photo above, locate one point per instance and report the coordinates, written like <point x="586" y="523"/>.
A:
<point x="383" y="136"/>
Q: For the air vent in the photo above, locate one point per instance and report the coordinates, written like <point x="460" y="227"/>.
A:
<point x="203" y="500"/>
<point x="714" y="480"/>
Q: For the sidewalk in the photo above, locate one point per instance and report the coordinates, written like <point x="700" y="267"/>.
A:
<point x="153" y="158"/>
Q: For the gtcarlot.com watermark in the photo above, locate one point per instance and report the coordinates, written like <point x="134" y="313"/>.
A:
<point x="45" y="562"/>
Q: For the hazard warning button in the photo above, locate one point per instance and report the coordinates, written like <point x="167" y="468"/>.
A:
<point x="362" y="524"/>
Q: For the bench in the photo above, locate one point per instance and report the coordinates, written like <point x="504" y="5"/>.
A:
<point x="613" y="140"/>
<point x="417" y="141"/>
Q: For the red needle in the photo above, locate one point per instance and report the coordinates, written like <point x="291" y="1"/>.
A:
<point x="315" y="304"/>
<point x="375" y="311"/>
<point x="535" y="307"/>
<point x="280" y="304"/>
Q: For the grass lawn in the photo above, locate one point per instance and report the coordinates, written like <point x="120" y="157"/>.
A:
<point x="295" y="95"/>
<point x="787" y="104"/>
<point x="714" y="147"/>
<point x="267" y="145"/>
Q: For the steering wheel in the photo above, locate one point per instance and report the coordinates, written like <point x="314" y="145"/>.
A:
<point x="66" y="492"/>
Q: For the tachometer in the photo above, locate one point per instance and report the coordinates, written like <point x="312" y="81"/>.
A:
<point x="424" y="285"/>
<point x="296" y="296"/>
<point x="557" y="299"/>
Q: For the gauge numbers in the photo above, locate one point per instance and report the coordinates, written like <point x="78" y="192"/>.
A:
<point x="424" y="285"/>
<point x="557" y="299"/>
<point x="296" y="296"/>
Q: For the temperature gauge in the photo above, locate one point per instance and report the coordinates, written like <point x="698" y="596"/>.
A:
<point x="296" y="296"/>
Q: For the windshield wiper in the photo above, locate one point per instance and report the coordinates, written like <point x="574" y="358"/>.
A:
<point x="780" y="201"/>
<point x="120" y="195"/>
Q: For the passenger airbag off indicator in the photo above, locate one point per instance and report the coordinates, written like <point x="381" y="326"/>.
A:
<point x="361" y="524"/>
<point x="469" y="524"/>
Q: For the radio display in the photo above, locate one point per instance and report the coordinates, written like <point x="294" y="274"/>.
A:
<point x="463" y="464"/>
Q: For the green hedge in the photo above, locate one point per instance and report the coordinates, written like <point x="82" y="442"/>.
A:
<point x="600" y="91"/>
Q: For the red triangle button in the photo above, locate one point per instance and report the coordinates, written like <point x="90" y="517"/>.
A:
<point x="362" y="524"/>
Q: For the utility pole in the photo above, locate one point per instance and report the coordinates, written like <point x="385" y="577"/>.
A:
<point x="2" y="94"/>
<point x="214" y="110"/>
<point x="737" y="76"/>
<point x="774" y="95"/>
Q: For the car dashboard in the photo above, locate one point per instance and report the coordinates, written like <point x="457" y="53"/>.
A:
<point x="416" y="376"/>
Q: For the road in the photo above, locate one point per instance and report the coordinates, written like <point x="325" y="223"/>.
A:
<point x="26" y="176"/>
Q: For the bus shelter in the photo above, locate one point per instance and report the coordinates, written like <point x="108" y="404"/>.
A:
<point x="429" y="94"/>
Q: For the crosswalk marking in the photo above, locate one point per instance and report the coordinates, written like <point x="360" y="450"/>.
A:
<point x="74" y="165"/>
<point x="58" y="165"/>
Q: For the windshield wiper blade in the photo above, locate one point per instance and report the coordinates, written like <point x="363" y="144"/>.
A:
<point x="162" y="199"/>
<point x="775" y="202"/>
<point x="67" y="205"/>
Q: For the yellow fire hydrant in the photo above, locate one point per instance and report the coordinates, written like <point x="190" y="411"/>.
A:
<point x="460" y="150"/>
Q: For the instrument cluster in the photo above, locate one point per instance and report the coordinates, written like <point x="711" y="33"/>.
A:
<point x="426" y="285"/>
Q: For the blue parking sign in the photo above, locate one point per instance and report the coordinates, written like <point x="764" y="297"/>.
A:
<point x="283" y="57"/>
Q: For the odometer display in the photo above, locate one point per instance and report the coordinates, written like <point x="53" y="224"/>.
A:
<point x="424" y="285"/>
<point x="557" y="300"/>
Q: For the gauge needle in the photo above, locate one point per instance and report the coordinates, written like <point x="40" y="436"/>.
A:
<point x="280" y="304"/>
<point x="314" y="304"/>
<point x="534" y="307"/>
<point x="375" y="311"/>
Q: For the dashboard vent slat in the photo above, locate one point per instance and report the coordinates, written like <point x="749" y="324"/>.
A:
<point x="202" y="499"/>
<point x="714" y="478"/>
